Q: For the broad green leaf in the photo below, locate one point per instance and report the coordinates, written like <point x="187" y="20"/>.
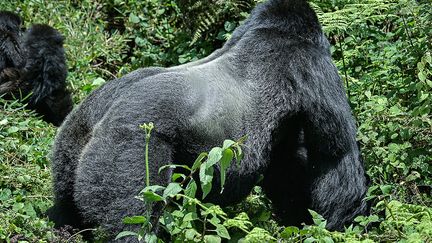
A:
<point x="199" y="161"/>
<point x="150" y="238"/>
<point x="133" y="18"/>
<point x="29" y="210"/>
<point x="212" y="239"/>
<point x="153" y="188"/>
<point x="150" y="196"/>
<point x="310" y="240"/>
<point x="125" y="233"/>
<point x="176" y="176"/>
<point x="98" y="81"/>
<point x="215" y="221"/>
<point x="190" y="234"/>
<point x="135" y="220"/>
<point x="206" y="177"/>
<point x="214" y="156"/>
<point x="229" y="26"/>
<point x="328" y="239"/>
<point x="191" y="216"/>
<point x="386" y="189"/>
<point x="422" y="76"/>
<point x="173" y="166"/>
<point x="290" y="231"/>
<point x="227" y="156"/>
<point x="168" y="220"/>
<point x="191" y="188"/>
<point x="227" y="143"/>
<point x="172" y="189"/>
<point x="222" y="231"/>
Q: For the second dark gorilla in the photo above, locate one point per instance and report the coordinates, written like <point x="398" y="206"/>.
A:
<point x="274" y="81"/>
<point x="34" y="63"/>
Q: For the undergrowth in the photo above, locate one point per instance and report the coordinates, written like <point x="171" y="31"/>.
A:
<point x="381" y="47"/>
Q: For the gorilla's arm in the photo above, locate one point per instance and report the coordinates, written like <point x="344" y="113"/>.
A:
<point x="74" y="135"/>
<point x="319" y="165"/>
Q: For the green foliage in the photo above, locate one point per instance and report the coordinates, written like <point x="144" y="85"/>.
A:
<point x="382" y="47"/>
<point x="389" y="71"/>
<point x="25" y="179"/>
<point x="166" y="33"/>
<point x="93" y="54"/>
<point x="183" y="216"/>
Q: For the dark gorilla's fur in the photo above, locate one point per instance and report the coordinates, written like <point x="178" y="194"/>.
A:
<point x="10" y="47"/>
<point x="274" y="81"/>
<point x="45" y="69"/>
<point x="11" y="54"/>
<point x="36" y="64"/>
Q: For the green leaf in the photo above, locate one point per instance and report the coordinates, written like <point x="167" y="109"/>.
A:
<point x="227" y="143"/>
<point x="133" y="18"/>
<point x="173" y="166"/>
<point x="191" y="188"/>
<point x="172" y="189"/>
<point x="290" y="231"/>
<point x="229" y="26"/>
<point x="198" y="161"/>
<point x="29" y="210"/>
<point x="206" y="177"/>
<point x="139" y="41"/>
<point x="135" y="220"/>
<point x="386" y="189"/>
<point x="4" y="122"/>
<point x="98" y="81"/>
<point x="227" y="156"/>
<point x="125" y="233"/>
<point x="190" y="234"/>
<point x="150" y="238"/>
<point x="153" y="188"/>
<point x="422" y="76"/>
<point x="212" y="239"/>
<point x="328" y="239"/>
<point x="150" y="196"/>
<point x="176" y="176"/>
<point x="368" y="94"/>
<point x="222" y="231"/>
<point x="191" y="216"/>
<point x="182" y="60"/>
<point x="168" y="221"/>
<point x="310" y="240"/>
<point x="214" y="156"/>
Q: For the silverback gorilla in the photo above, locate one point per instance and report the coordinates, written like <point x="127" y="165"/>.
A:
<point x="273" y="81"/>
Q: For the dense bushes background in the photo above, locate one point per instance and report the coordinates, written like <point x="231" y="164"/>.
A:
<point x="383" y="51"/>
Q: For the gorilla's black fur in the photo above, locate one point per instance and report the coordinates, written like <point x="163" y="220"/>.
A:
<point x="273" y="81"/>
<point x="45" y="69"/>
<point x="10" y="47"/>
<point x="36" y="64"/>
<point x="11" y="54"/>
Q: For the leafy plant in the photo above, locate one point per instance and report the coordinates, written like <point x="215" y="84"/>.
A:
<point x="183" y="215"/>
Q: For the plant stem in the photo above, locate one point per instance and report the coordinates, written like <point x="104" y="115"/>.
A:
<point x="147" y="161"/>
